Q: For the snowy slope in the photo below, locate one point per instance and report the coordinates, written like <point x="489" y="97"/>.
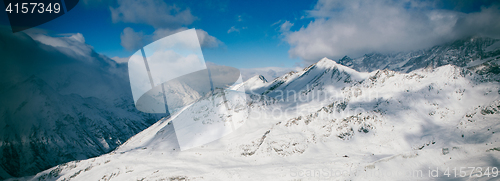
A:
<point x="371" y="126"/>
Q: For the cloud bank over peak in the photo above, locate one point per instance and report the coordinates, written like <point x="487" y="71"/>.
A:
<point x="358" y="27"/>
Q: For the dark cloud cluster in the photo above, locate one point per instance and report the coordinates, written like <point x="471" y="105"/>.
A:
<point x="152" y="12"/>
<point x="166" y="18"/>
<point x="133" y="40"/>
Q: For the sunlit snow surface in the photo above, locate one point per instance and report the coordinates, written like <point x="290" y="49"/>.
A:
<point x="170" y="74"/>
<point x="370" y="126"/>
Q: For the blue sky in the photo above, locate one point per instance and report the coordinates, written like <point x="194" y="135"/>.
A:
<point x="253" y="33"/>
<point x="257" y="44"/>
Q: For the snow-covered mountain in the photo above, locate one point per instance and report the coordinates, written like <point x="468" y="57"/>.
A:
<point x="326" y="122"/>
<point x="58" y="107"/>
<point x="321" y="75"/>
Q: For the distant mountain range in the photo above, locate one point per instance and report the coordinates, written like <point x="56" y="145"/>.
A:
<point x="362" y="118"/>
<point x="473" y="52"/>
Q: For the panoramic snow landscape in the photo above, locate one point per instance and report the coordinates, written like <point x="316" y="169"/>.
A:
<point x="435" y="112"/>
<point x="250" y="90"/>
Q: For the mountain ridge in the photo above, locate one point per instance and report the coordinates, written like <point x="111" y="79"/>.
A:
<point x="460" y="52"/>
<point x="367" y="122"/>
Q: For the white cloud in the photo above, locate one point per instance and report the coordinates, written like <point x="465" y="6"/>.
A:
<point x="120" y="59"/>
<point x="233" y="29"/>
<point x="270" y="73"/>
<point x="357" y="27"/>
<point x="206" y="40"/>
<point x="275" y="23"/>
<point x="282" y="26"/>
<point x="132" y="40"/>
<point x="167" y="65"/>
<point x="70" y="44"/>
<point x="156" y="13"/>
<point x="285" y="27"/>
<point x="242" y="17"/>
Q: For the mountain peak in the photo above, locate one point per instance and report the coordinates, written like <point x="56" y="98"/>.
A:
<point x="255" y="82"/>
<point x="323" y="63"/>
<point x="347" y="61"/>
<point x="259" y="78"/>
<point x="326" y="61"/>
